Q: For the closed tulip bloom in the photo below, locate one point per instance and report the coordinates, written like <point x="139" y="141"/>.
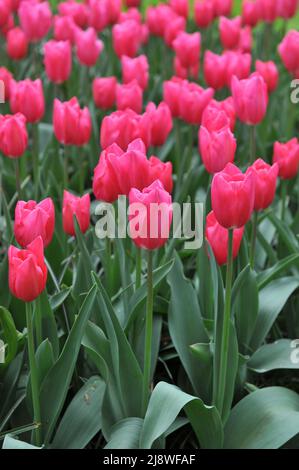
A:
<point x="215" y="69"/>
<point x="250" y="12"/>
<point x="35" y="19"/>
<point x="173" y="29"/>
<point x="150" y="228"/>
<point x="64" y="28"/>
<point x="265" y="177"/>
<point x="88" y="47"/>
<point x="99" y="15"/>
<point x="250" y="98"/>
<point x="203" y="13"/>
<point x="13" y="135"/>
<point x="193" y="100"/>
<point x="10" y="23"/>
<point x="105" y="181"/>
<point x="158" y="17"/>
<point x="5" y="77"/>
<point x="185" y="73"/>
<point x="17" y="44"/>
<point x="135" y="69"/>
<point x="287" y="157"/>
<point x="5" y="10"/>
<point x="27" y="97"/>
<point x="287" y="8"/>
<point x="104" y="92"/>
<point x="129" y="96"/>
<point x="289" y="52"/>
<point x="162" y="171"/>
<point x="181" y="7"/>
<point x="161" y="122"/>
<point x="34" y="219"/>
<point x="232" y="195"/>
<point x="219" y="114"/>
<point x="217" y="148"/>
<point x="238" y="64"/>
<point x="245" y="40"/>
<point x="230" y="30"/>
<point x="72" y="125"/>
<point x="217" y="237"/>
<point x="121" y="127"/>
<point x="58" y="60"/>
<point x="269" y="72"/>
<point x="222" y="7"/>
<point x="132" y="3"/>
<point x="75" y="10"/>
<point x="27" y="271"/>
<point x="75" y="206"/>
<point x="130" y="14"/>
<point x="268" y="10"/>
<point x="171" y="95"/>
<point x="126" y="38"/>
<point x="187" y="48"/>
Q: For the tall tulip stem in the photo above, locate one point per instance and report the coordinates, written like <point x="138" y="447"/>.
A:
<point x="148" y="332"/>
<point x="34" y="375"/>
<point x="66" y="166"/>
<point x="253" y="238"/>
<point x="252" y="147"/>
<point x="284" y="190"/>
<point x="226" y="325"/>
<point x="35" y="151"/>
<point x="138" y="267"/>
<point x="18" y="178"/>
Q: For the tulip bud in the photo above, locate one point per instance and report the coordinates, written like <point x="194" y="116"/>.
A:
<point x="232" y="195"/>
<point x="150" y="216"/>
<point x="173" y="28"/>
<point x="180" y="7"/>
<point x="17" y="44"/>
<point x="5" y="10"/>
<point x="104" y="92"/>
<point x="230" y="30"/>
<point x="289" y="52"/>
<point x="6" y="77"/>
<point x="162" y="171"/>
<point x="250" y="98"/>
<point x="75" y="10"/>
<point x="215" y="69"/>
<point x="88" y="47"/>
<point x="13" y="135"/>
<point x="238" y="64"/>
<point x="58" y="60"/>
<point x="35" y="19"/>
<point x="287" y="8"/>
<point x="126" y="38"/>
<point x="268" y="10"/>
<point x="219" y="114"/>
<point x="64" y="29"/>
<point x="72" y="125"/>
<point x="187" y="48"/>
<point x="27" y="271"/>
<point x="204" y="13"/>
<point x="135" y="69"/>
<point x="217" y="148"/>
<point x="132" y="3"/>
<point x="99" y="14"/>
<point x="171" y="95"/>
<point x="75" y="206"/>
<point x="265" y="177"/>
<point x="217" y="237"/>
<point x="129" y="96"/>
<point x="269" y="72"/>
<point x="161" y="122"/>
<point x="287" y="157"/>
<point x="27" y="97"/>
<point x="222" y="7"/>
<point x="193" y="101"/>
<point x="34" y="220"/>
<point x="250" y="12"/>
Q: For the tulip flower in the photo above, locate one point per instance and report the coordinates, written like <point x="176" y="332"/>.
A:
<point x="126" y="38"/>
<point x="75" y="206"/>
<point x="193" y="101"/>
<point x="121" y="127"/>
<point x="269" y="72"/>
<point x="72" y="125"/>
<point x="162" y="171"/>
<point x="219" y="114"/>
<point x="265" y="177"/>
<point x="230" y="30"/>
<point x="222" y="7"/>
<point x="161" y="122"/>
<point x="250" y="98"/>
<point x="34" y="220"/>
<point x="135" y="69"/>
<point x="129" y="96"/>
<point x="13" y="135"/>
<point x="58" y="60"/>
<point x="268" y="10"/>
<point x="232" y="195"/>
<point x="75" y="10"/>
<point x="88" y="47"/>
<point x="217" y="237"/>
<point x="132" y="3"/>
<point x="203" y="13"/>
<point x="157" y="19"/>
<point x="130" y="14"/>
<point x="171" y="95"/>
<point x="27" y="271"/>
<point x="287" y="8"/>
<point x="215" y="70"/>
<point x="217" y="148"/>
<point x="180" y="7"/>
<point x="250" y="12"/>
<point x="5" y="10"/>
<point x="245" y="40"/>
<point x="173" y="28"/>
<point x="99" y="15"/>
<point x="5" y="78"/>
<point x="187" y="48"/>
<point x="238" y="64"/>
<point x="289" y="52"/>
<point x="104" y="92"/>
<point x="64" y="29"/>
<point x="27" y="97"/>
<point x="286" y="155"/>
<point x="35" y="19"/>
<point x="17" y="44"/>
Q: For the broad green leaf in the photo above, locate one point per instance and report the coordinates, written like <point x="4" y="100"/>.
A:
<point x="12" y="443"/>
<point x="48" y="321"/>
<point x="57" y="299"/>
<point x="265" y="419"/>
<point x="282" y="265"/>
<point x="283" y="354"/>
<point x="55" y="386"/>
<point x="8" y="389"/>
<point x="10" y="335"/>
<point x="125" y="434"/>
<point x="82" y="419"/>
<point x="165" y="404"/>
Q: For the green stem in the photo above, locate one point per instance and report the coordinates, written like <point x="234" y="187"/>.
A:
<point x="252" y="148"/>
<point x="253" y="238"/>
<point x="38" y="323"/>
<point x="284" y="187"/>
<point x="177" y="145"/>
<point x="34" y="376"/>
<point x="148" y="333"/>
<point x="138" y="267"/>
<point x="35" y="152"/>
<point x="18" y="179"/>
<point x="66" y="167"/>
<point x="226" y="325"/>
<point x="109" y="265"/>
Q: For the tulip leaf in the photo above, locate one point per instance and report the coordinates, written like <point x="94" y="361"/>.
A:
<point x="269" y="274"/>
<point x="283" y="354"/>
<point x="12" y="443"/>
<point x="265" y="419"/>
<point x="48" y="322"/>
<point x="10" y="336"/>
<point x="125" y="434"/>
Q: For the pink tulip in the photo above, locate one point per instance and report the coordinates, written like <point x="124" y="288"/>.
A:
<point x="161" y="122"/>
<point x="250" y="98"/>
<point x="129" y="96"/>
<point x="193" y="101"/>
<point x="269" y="72"/>
<point x="17" y="44"/>
<point x="135" y="69"/>
<point x="127" y="38"/>
<point x="88" y="47"/>
<point x="286" y="155"/>
<point x="27" y="97"/>
<point x="75" y="10"/>
<point x="35" y="19"/>
<point x="217" y="148"/>
<point x="72" y="125"/>
<point x="74" y="206"/>
<point x="64" y="28"/>
<point x="58" y="60"/>
<point x="180" y="7"/>
<point x="187" y="48"/>
<point x="265" y="177"/>
<point x="13" y="135"/>
<point x="230" y="30"/>
<point x="104" y="92"/>
<point x="289" y="52"/>
<point x="204" y="13"/>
